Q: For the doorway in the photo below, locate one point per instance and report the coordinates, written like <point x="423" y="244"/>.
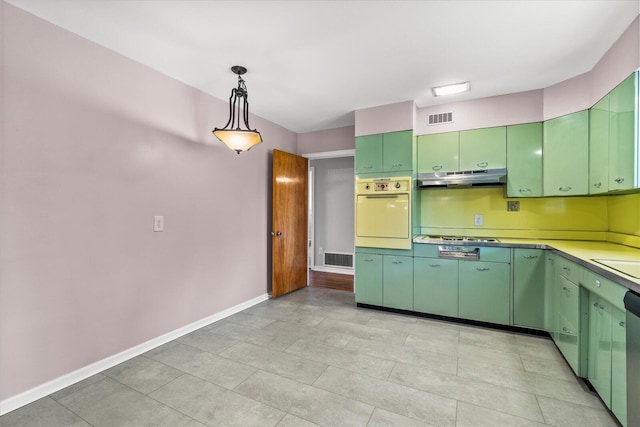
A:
<point x="331" y="215"/>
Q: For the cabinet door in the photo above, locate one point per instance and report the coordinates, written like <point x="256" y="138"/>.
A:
<point x="529" y="288"/>
<point x="484" y="291"/>
<point x="599" y="147"/>
<point x="438" y="153"/>
<point x="483" y="148"/>
<point x="568" y="321"/>
<point x="397" y="151"/>
<point x="369" y="278"/>
<point x="599" y="357"/>
<point x="566" y="155"/>
<point x="435" y="286"/>
<point x="524" y="160"/>
<point x="622" y="134"/>
<point x="550" y="279"/>
<point x="619" y="365"/>
<point x="397" y="282"/>
<point x="369" y="153"/>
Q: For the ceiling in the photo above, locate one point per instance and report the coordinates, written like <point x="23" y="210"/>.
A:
<point x="312" y="63"/>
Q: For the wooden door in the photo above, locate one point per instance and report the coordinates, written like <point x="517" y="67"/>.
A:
<point x="289" y="223"/>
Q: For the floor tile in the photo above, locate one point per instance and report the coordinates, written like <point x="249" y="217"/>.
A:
<point x="559" y="413"/>
<point x="77" y="386"/>
<point x="382" y="418"/>
<point x="287" y="315"/>
<point x="570" y="391"/>
<point x="293" y="421"/>
<point x="208" y="366"/>
<point x="476" y="416"/>
<point x="110" y="404"/>
<point x="351" y="359"/>
<point x="286" y="364"/>
<point x="322" y="336"/>
<point x="263" y="337"/>
<point x="251" y="319"/>
<point x="487" y="355"/>
<point x="497" y="340"/>
<point x="399" y="353"/>
<point x="363" y="331"/>
<point x="550" y="368"/>
<point x="215" y="406"/>
<point x="395" y="398"/>
<point x="501" y="399"/>
<point x="44" y="412"/>
<point x="143" y="374"/>
<point x="304" y="401"/>
<point x="207" y="341"/>
<point x="426" y="329"/>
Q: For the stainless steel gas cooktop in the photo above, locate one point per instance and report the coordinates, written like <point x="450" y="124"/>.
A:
<point x="425" y="238"/>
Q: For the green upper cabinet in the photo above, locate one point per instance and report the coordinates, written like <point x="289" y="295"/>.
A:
<point x="524" y="160"/>
<point x="599" y="147"/>
<point x="438" y="152"/>
<point x="369" y="153"/>
<point x="381" y="153"/>
<point x="566" y="155"/>
<point x="622" y="135"/>
<point x="397" y="151"/>
<point x="483" y="149"/>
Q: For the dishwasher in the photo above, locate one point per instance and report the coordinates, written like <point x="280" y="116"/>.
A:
<point x="632" y="305"/>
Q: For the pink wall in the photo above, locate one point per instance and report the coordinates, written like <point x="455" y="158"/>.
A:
<point x="385" y="118"/>
<point x="327" y="140"/>
<point x="501" y="110"/>
<point x="94" y="145"/>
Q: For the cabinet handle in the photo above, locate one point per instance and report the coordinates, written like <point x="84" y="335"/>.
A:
<point x="619" y="180"/>
<point x="368" y="260"/>
<point x="564" y="188"/>
<point x="367" y="167"/>
<point x="482" y="164"/>
<point x="396" y="262"/>
<point x="525" y="190"/>
<point x="597" y="184"/>
<point x="598" y="283"/>
<point x="436" y="167"/>
<point x="434" y="265"/>
<point x="482" y="268"/>
<point x="622" y="324"/>
<point x="530" y="256"/>
<point x="567" y="330"/>
<point x="567" y="269"/>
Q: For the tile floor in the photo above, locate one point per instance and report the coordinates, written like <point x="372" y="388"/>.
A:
<point x="312" y="358"/>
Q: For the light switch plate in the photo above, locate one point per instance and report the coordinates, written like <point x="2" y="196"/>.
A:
<point x="158" y="223"/>
<point x="513" y="206"/>
<point x="478" y="220"/>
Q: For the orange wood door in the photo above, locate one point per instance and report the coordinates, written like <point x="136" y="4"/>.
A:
<point x="289" y="223"/>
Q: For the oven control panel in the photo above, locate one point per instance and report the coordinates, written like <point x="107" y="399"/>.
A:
<point x="386" y="185"/>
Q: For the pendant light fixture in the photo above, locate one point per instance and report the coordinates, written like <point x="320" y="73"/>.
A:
<point x="232" y="135"/>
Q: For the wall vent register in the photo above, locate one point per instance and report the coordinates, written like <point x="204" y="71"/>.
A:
<point x="440" y="118"/>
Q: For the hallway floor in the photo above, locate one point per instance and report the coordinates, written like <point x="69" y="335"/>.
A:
<point x="312" y="358"/>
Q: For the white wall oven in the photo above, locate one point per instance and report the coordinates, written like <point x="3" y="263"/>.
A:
<point x="383" y="212"/>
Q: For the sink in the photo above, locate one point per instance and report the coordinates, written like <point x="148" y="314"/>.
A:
<point x="630" y="268"/>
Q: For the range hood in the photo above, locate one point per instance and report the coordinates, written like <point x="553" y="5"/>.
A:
<point x="463" y="179"/>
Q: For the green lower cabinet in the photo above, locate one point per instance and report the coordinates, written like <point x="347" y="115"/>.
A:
<point x="550" y="315"/>
<point x="619" y="365"/>
<point x="599" y="356"/>
<point x="529" y="288"/>
<point x="368" y="278"/>
<point x="435" y="286"/>
<point x="484" y="291"/>
<point x="397" y="282"/>
<point x="567" y="337"/>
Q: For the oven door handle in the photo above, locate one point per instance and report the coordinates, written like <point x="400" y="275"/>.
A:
<point x="382" y="196"/>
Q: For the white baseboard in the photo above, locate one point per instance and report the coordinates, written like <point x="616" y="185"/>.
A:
<point x="325" y="269"/>
<point x="66" y="380"/>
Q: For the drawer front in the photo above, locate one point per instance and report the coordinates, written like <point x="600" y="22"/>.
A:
<point x="570" y="270"/>
<point x="424" y="250"/>
<point x="605" y="288"/>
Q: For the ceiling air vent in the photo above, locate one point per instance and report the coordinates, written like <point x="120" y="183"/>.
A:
<point x="440" y="118"/>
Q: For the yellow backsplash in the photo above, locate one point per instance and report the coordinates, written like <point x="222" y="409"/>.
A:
<point x="583" y="218"/>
